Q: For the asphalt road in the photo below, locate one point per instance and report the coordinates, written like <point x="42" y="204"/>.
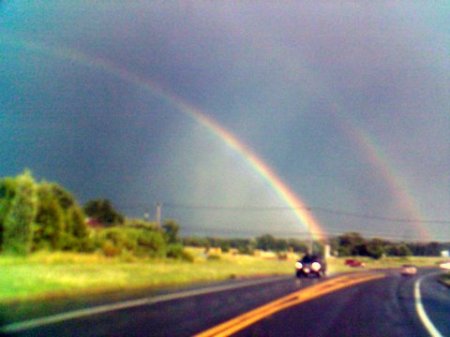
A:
<point x="385" y="307"/>
<point x="380" y="307"/>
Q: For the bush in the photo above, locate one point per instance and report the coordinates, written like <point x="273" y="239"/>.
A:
<point x="122" y="238"/>
<point x="246" y="250"/>
<point x="140" y="242"/>
<point x="214" y="257"/>
<point x="152" y="243"/>
<point x="141" y="223"/>
<point x="171" y="229"/>
<point x="176" y="251"/>
<point x="282" y="256"/>
<point x="72" y="243"/>
<point x="110" y="250"/>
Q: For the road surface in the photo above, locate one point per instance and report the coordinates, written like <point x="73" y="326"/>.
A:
<point x="383" y="305"/>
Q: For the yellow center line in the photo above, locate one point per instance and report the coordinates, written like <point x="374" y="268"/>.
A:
<point x="242" y="321"/>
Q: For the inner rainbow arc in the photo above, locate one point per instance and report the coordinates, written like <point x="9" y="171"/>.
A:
<point x="283" y="191"/>
<point x="304" y="215"/>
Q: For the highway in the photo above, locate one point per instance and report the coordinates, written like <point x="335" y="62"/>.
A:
<point x="380" y="303"/>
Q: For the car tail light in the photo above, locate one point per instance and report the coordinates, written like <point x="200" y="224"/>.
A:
<point x="316" y="266"/>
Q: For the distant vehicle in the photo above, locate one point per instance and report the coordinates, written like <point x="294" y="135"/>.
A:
<point x="445" y="265"/>
<point x="354" y="263"/>
<point x="408" y="270"/>
<point x="310" y="266"/>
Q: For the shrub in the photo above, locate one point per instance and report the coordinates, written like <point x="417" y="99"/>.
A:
<point x="176" y="251"/>
<point x="282" y="256"/>
<point x="110" y="250"/>
<point x="214" y="257"/>
<point x="152" y="243"/>
<point x="171" y="230"/>
<point x="142" y="242"/>
<point x="122" y="238"/>
<point x="141" y="223"/>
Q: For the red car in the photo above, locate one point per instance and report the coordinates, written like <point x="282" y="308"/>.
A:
<point x="354" y="263"/>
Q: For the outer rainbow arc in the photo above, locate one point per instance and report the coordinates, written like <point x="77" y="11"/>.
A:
<point x="282" y="190"/>
<point x="397" y="185"/>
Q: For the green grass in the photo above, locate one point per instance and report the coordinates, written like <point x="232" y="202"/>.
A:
<point x="50" y="275"/>
<point x="337" y="265"/>
<point x="54" y="275"/>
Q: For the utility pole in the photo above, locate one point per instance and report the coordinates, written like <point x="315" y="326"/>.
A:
<point x="158" y="214"/>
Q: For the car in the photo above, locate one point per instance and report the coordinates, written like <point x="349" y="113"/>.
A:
<point x="354" y="263"/>
<point x="408" y="270"/>
<point x="310" y="266"/>
<point x="445" y="265"/>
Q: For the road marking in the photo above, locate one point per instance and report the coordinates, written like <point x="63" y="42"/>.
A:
<point x="426" y="321"/>
<point x="70" y="315"/>
<point x="242" y="321"/>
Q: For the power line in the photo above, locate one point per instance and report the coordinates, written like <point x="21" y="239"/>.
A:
<point x="327" y="232"/>
<point x="318" y="235"/>
<point x="377" y="217"/>
<point x="309" y="208"/>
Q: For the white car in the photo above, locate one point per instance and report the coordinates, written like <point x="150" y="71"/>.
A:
<point x="445" y="265"/>
<point x="408" y="269"/>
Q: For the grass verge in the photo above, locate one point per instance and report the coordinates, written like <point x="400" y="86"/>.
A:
<point x="53" y="275"/>
<point x="45" y="275"/>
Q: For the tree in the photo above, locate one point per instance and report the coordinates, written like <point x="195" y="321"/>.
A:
<point x="103" y="211"/>
<point x="266" y="242"/>
<point x="7" y="193"/>
<point x="65" y="199"/>
<point x="49" y="221"/>
<point x="76" y="224"/>
<point x="399" y="250"/>
<point x="17" y="235"/>
<point x="351" y="244"/>
<point x="375" y="248"/>
<point x="298" y="246"/>
<point x="60" y="221"/>
<point x="171" y="229"/>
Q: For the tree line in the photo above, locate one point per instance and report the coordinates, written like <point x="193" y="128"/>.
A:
<point x="266" y="242"/>
<point x="41" y="215"/>
<point x="353" y="244"/>
<point x="347" y="244"/>
<point x="44" y="216"/>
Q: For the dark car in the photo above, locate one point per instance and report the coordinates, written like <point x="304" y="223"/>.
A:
<point x="310" y="266"/>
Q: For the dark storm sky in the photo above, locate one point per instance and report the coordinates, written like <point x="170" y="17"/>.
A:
<point x="348" y="102"/>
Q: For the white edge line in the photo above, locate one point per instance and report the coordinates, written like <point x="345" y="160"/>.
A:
<point x="65" y="316"/>
<point x="426" y="321"/>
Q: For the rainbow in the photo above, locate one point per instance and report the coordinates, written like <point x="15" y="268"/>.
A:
<point x="395" y="182"/>
<point x="255" y="162"/>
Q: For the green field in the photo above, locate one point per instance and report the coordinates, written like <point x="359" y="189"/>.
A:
<point x="66" y="274"/>
<point x="49" y="275"/>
